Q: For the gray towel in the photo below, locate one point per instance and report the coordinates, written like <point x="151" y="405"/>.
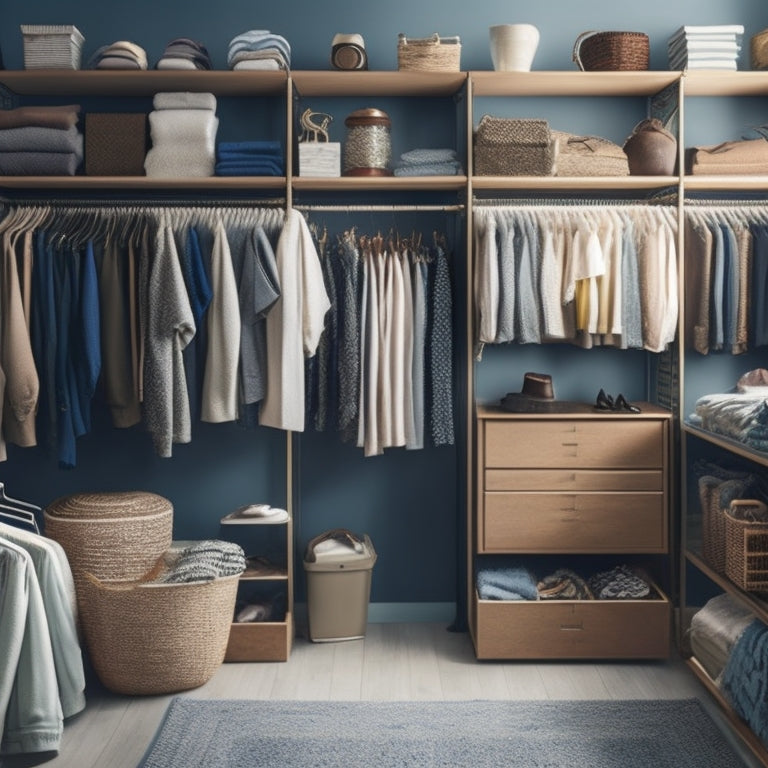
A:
<point x="40" y="139"/>
<point x="184" y="100"/>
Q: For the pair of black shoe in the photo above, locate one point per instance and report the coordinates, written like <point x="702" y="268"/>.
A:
<point x="605" y="402"/>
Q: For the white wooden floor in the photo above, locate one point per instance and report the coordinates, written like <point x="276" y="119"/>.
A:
<point x="393" y="662"/>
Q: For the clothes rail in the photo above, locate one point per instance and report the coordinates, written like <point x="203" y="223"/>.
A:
<point x="512" y="202"/>
<point x="222" y="202"/>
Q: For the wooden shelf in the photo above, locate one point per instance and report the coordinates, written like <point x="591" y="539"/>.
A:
<point x="553" y="83"/>
<point x="732" y="446"/>
<point x="379" y="184"/>
<point x="143" y="182"/>
<point x="118" y="83"/>
<point x="377" y="83"/>
<point x="712" y="82"/>
<point x="564" y="183"/>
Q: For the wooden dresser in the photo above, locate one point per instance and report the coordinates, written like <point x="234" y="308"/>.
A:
<point x="580" y="482"/>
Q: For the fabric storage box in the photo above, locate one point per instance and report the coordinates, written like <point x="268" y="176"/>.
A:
<point x="115" y="143"/>
<point x="49" y="46"/>
<point x="513" y="147"/>
<point x="432" y="54"/>
<point x="338" y="566"/>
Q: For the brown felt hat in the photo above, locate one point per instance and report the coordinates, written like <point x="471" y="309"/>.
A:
<point x="537" y="394"/>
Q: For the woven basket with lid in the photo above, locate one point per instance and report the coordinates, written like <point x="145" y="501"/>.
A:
<point x="113" y="535"/>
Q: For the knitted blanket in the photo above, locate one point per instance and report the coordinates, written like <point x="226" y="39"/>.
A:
<point x="496" y="580"/>
<point x="204" y="561"/>
<point x="39" y="163"/>
<point x="184" y="100"/>
<point x="183" y="143"/>
<point x="41" y="139"/>
<point x="745" y="678"/>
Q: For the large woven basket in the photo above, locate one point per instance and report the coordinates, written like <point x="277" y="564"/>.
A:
<point x="746" y="540"/>
<point x="513" y="147"/>
<point x="612" y="51"/>
<point x="432" y="54"/>
<point x="112" y="535"/>
<point x="152" y="638"/>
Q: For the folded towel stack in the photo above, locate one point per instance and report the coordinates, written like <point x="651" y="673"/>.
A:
<point x="249" y="158"/>
<point x="205" y="561"/>
<point x="745" y="157"/>
<point x="429" y="162"/>
<point x="40" y="141"/>
<point x="183" y="130"/>
<point x="497" y="580"/>
<point x="183" y="53"/>
<point x="122" y="54"/>
<point x="259" y="49"/>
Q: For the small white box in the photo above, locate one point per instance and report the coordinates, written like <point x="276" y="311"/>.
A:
<point x="320" y="158"/>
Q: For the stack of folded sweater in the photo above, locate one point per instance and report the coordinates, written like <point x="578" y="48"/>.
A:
<point x="745" y="157"/>
<point x="183" y="131"/>
<point x="122" y="54"/>
<point x="429" y="162"/>
<point x="40" y="141"/>
<point x="183" y="53"/>
<point x="249" y="158"/>
<point x="259" y="49"/>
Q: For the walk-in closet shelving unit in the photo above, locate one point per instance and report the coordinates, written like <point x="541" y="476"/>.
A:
<point x="708" y="98"/>
<point x="265" y="641"/>
<point x="566" y="478"/>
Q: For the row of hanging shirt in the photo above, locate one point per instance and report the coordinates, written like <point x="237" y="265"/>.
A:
<point x="179" y="312"/>
<point x="383" y="373"/>
<point x="726" y="268"/>
<point x="579" y="273"/>
<point x="42" y="679"/>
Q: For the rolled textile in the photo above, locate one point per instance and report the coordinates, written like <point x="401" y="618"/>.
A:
<point x="184" y="100"/>
<point x="40" y="139"/>
<point x="195" y="125"/>
<point x="63" y="116"/>
<point x="39" y="163"/>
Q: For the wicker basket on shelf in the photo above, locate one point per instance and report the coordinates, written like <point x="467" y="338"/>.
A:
<point x="432" y="54"/>
<point x="746" y="540"/>
<point x="151" y="638"/>
<point x="607" y="51"/>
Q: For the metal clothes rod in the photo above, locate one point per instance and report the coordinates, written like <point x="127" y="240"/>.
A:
<point x="379" y="208"/>
<point x="511" y="202"/>
<point x="144" y="201"/>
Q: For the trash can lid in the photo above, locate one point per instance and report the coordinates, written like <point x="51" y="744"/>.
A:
<point x="339" y="549"/>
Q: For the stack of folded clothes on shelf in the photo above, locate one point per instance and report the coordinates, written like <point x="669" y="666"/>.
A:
<point x="122" y="54"/>
<point x="183" y="130"/>
<point x="259" y="49"/>
<point x="40" y="141"/>
<point x="744" y="157"/>
<point x="429" y="162"/>
<point x="183" y="53"/>
<point x="249" y="158"/>
<point x="705" y="47"/>
<point x="497" y="579"/>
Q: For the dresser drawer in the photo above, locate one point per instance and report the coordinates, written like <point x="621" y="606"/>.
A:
<point x="573" y="522"/>
<point x="572" y="629"/>
<point x="574" y="480"/>
<point x="620" y="443"/>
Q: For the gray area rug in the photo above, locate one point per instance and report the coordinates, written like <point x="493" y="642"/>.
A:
<point x="481" y="734"/>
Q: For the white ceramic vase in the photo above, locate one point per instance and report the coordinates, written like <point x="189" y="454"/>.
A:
<point x="513" y="46"/>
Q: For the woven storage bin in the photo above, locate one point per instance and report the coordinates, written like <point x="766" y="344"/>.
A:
<point x="152" y="638"/>
<point x="588" y="156"/>
<point x="758" y="48"/>
<point x="612" y="51"/>
<point x="513" y="147"/>
<point x="712" y="523"/>
<point x="115" y="144"/>
<point x="429" y="53"/>
<point x="117" y="535"/>
<point x="49" y="46"/>
<point x="746" y="541"/>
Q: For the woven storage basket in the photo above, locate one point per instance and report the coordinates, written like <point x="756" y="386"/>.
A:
<point x="513" y="147"/>
<point x="712" y="523"/>
<point x="746" y="541"/>
<point x="114" y="535"/>
<point x="152" y="638"/>
<point x="115" y="143"/>
<point x="52" y="46"/>
<point x="758" y="48"/>
<point x="588" y="156"/>
<point x="429" y="53"/>
<point x="612" y="51"/>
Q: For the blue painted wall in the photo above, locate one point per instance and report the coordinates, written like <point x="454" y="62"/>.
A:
<point x="411" y="503"/>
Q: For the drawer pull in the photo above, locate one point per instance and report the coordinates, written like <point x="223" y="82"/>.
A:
<point x="572" y="627"/>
